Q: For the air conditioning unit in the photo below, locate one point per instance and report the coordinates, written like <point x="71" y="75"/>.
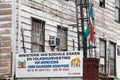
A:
<point x="53" y="41"/>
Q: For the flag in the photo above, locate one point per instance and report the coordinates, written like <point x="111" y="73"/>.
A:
<point x="91" y="25"/>
<point x="87" y="31"/>
<point x="90" y="31"/>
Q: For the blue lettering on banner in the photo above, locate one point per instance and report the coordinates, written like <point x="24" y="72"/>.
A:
<point x="49" y="66"/>
<point x="46" y="62"/>
<point x="62" y="65"/>
<point x="43" y="66"/>
<point x="31" y="66"/>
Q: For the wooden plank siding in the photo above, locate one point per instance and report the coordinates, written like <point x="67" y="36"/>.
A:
<point x="106" y="28"/>
<point x="105" y="20"/>
<point x="5" y="39"/>
<point x="61" y="12"/>
<point x="53" y="13"/>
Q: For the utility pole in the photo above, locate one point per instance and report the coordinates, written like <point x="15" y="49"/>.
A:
<point x="80" y="18"/>
<point x="83" y="19"/>
<point x="84" y="40"/>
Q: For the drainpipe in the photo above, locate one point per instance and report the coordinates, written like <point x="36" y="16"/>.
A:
<point x="13" y="39"/>
<point x="14" y="25"/>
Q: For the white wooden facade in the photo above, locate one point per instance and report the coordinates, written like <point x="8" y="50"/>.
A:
<point x="17" y="14"/>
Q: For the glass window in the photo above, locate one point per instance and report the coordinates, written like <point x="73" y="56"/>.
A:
<point x="102" y="3"/>
<point x="62" y="34"/>
<point x="118" y="50"/>
<point x="117" y="10"/>
<point x="38" y="35"/>
<point x="117" y="14"/>
<point x="112" y="70"/>
<point x="112" y="58"/>
<point x="81" y="42"/>
<point x="117" y="3"/>
<point x="112" y="51"/>
<point x="102" y="68"/>
<point x="102" y="51"/>
<point x="102" y="48"/>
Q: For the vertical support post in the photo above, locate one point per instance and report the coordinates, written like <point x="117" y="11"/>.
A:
<point x="19" y="25"/>
<point x="13" y="40"/>
<point x="82" y="25"/>
<point x="78" y="36"/>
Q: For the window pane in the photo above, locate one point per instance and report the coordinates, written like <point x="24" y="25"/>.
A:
<point x="117" y="14"/>
<point x="112" y="51"/>
<point x="112" y="58"/>
<point x="118" y="50"/>
<point x="102" y="48"/>
<point x="102" y="3"/>
<point x="37" y="35"/>
<point x="81" y="42"/>
<point x="37" y="48"/>
<point x="62" y="34"/>
<point x="112" y="68"/>
<point x="117" y="3"/>
<point x="102" y="69"/>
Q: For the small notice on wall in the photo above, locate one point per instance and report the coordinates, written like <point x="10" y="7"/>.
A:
<point x="49" y="64"/>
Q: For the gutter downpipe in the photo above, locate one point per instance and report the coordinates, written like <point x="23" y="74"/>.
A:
<point x="14" y="27"/>
<point x="13" y="39"/>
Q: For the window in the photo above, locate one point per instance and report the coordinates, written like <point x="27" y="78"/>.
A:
<point x="102" y="3"/>
<point x="81" y="42"/>
<point x="118" y="50"/>
<point x="112" y="58"/>
<point x="102" y="68"/>
<point x="102" y="51"/>
<point x="38" y="35"/>
<point x="117" y="10"/>
<point x="102" y="48"/>
<point x="62" y="34"/>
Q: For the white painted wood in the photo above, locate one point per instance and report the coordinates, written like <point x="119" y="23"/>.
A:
<point x="58" y="12"/>
<point x="19" y="24"/>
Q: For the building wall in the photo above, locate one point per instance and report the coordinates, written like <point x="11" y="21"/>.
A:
<point x="105" y="21"/>
<point x="53" y="12"/>
<point x="5" y="38"/>
<point x="107" y="28"/>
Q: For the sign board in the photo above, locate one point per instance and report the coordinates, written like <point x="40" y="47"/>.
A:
<point x="49" y="64"/>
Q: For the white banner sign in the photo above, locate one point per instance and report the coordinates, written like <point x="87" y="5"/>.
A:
<point x="49" y="64"/>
